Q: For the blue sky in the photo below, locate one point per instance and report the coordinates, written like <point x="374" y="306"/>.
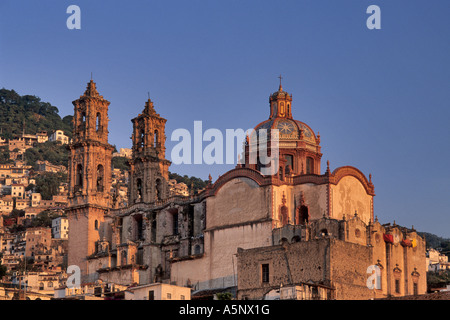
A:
<point x="379" y="98"/>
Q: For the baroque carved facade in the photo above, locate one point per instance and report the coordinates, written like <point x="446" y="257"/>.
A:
<point x="202" y="240"/>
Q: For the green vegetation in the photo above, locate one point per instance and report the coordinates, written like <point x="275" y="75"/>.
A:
<point x="437" y="280"/>
<point x="15" y="213"/>
<point x="120" y="163"/>
<point x="224" y="296"/>
<point x="3" y="270"/>
<point x="436" y="242"/>
<point x="197" y="183"/>
<point x="18" y="112"/>
<point x="52" y="151"/>
<point x="44" y="219"/>
<point x="4" y="155"/>
<point x="47" y="183"/>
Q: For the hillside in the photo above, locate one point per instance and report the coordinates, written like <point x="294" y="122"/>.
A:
<point x="30" y="113"/>
<point x="436" y="242"/>
<point x="197" y="183"/>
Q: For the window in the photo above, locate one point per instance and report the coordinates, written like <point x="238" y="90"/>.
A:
<point x="175" y="223"/>
<point x="141" y="141"/>
<point x="289" y="161"/>
<point x="99" y="120"/>
<point x="397" y="286"/>
<point x="100" y="174"/>
<point x="315" y="293"/>
<point x="139" y="188"/>
<point x="79" y="177"/>
<point x="169" y="296"/>
<point x="309" y="165"/>
<point x="151" y="295"/>
<point x="265" y="273"/>
<point x="83" y="119"/>
<point x="158" y="189"/>
<point x="304" y="215"/>
<point x="155" y="139"/>
<point x="182" y="297"/>
<point x="96" y="224"/>
<point x="415" y="288"/>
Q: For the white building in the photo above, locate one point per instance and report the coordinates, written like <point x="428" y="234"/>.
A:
<point x="59" y="135"/>
<point x="60" y="228"/>
<point x="437" y="261"/>
<point x="158" y="291"/>
<point x="123" y="152"/>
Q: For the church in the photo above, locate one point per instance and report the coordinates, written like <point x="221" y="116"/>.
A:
<point x="302" y="230"/>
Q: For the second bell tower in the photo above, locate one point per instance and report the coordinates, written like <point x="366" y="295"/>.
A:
<point x="149" y="169"/>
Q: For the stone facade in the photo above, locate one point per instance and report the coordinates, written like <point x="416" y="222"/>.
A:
<point x="339" y="255"/>
<point x="315" y="231"/>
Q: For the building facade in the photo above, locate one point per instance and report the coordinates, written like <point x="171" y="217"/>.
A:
<point x="201" y="241"/>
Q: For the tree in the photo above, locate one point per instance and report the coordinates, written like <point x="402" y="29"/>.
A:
<point x="18" y="112"/>
<point x="224" y="296"/>
<point x="47" y="183"/>
<point x="120" y="163"/>
<point x="15" y="213"/>
<point x="197" y="183"/>
<point x="3" y="270"/>
<point x="52" y="151"/>
<point x="44" y="218"/>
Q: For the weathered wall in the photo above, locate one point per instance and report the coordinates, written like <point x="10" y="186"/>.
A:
<point x="288" y="264"/>
<point x="217" y="267"/>
<point x="239" y="200"/>
<point x="349" y="263"/>
<point x="315" y="197"/>
<point x="349" y="196"/>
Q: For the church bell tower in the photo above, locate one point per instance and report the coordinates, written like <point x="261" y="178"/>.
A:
<point x="89" y="177"/>
<point x="149" y="169"/>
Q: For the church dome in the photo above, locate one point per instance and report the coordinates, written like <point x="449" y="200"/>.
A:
<point x="289" y="129"/>
<point x="298" y="145"/>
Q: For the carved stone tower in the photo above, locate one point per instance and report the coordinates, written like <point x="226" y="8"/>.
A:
<point x="149" y="169"/>
<point x="89" y="177"/>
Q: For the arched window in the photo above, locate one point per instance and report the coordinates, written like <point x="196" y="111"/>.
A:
<point x="124" y="258"/>
<point x="99" y="120"/>
<point x="155" y="139"/>
<point x="100" y="175"/>
<point x="309" y="165"/>
<point x="79" y="176"/>
<point x="142" y="138"/>
<point x="175" y="223"/>
<point x="82" y="119"/>
<point x="96" y="224"/>
<point x="303" y="215"/>
<point x="289" y="160"/>
<point x="158" y="189"/>
<point x="282" y="110"/>
<point x="139" y="188"/>
<point x="197" y="249"/>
